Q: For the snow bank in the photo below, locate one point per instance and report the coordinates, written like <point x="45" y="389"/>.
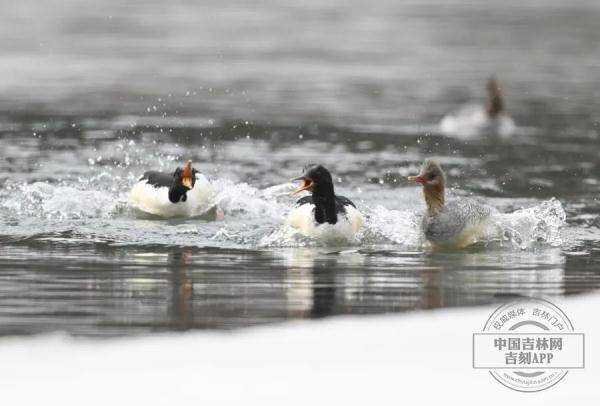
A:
<point x="397" y="359"/>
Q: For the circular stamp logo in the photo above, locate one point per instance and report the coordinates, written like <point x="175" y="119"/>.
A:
<point x="528" y="345"/>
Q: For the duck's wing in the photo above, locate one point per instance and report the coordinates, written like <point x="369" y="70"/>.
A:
<point x="157" y="179"/>
<point x="456" y="217"/>
<point x="471" y="211"/>
<point x="341" y="202"/>
<point x="304" y="200"/>
<point x="346" y="206"/>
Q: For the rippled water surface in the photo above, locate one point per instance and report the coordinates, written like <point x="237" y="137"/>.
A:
<point x="91" y="96"/>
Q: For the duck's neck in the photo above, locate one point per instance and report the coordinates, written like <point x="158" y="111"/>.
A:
<point x="494" y="104"/>
<point x="324" y="200"/>
<point x="434" y="198"/>
<point x="177" y="193"/>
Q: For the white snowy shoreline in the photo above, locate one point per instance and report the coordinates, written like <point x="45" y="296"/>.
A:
<point x="422" y="356"/>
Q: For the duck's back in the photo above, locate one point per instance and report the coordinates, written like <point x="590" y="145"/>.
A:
<point x="303" y="218"/>
<point x="459" y="222"/>
<point x="151" y="195"/>
<point x="157" y="179"/>
<point x="341" y="203"/>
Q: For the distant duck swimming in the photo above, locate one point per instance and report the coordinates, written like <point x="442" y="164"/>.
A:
<point x="480" y="120"/>
<point x="183" y="193"/>
<point x="455" y="224"/>
<point x="323" y="214"/>
<point x="494" y="104"/>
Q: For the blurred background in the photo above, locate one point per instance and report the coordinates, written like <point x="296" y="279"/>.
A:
<point x="339" y="62"/>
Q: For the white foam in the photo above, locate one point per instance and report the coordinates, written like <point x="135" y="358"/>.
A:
<point x="256" y="217"/>
<point x="43" y="200"/>
<point x="401" y="227"/>
<point x="242" y="200"/>
<point x="528" y="227"/>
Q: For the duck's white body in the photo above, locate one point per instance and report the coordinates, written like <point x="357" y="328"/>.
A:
<point x="155" y="200"/>
<point x="302" y="218"/>
<point x="473" y="121"/>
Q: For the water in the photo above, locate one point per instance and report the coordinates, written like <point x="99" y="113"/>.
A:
<point x="93" y="95"/>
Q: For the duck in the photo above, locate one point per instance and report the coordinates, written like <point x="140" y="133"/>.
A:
<point x="454" y="224"/>
<point x="182" y="193"/>
<point x="489" y="118"/>
<point x="494" y="104"/>
<point x="323" y="214"/>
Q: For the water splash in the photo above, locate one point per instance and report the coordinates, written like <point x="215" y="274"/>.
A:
<point x="253" y="218"/>
<point x="527" y="227"/>
<point x="401" y="227"/>
<point x="245" y="201"/>
<point x="326" y="235"/>
<point x="46" y="201"/>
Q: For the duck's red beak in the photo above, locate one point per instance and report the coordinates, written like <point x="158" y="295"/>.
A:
<point x="417" y="179"/>
<point x="308" y="184"/>
<point x="188" y="175"/>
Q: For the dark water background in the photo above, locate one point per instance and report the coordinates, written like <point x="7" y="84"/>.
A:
<point x="92" y="94"/>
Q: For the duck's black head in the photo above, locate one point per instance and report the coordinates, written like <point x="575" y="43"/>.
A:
<point x="317" y="180"/>
<point x="183" y="181"/>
